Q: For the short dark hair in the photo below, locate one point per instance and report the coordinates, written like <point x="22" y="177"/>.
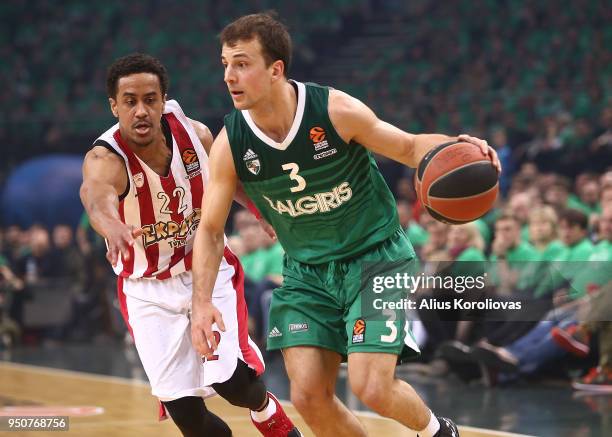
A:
<point x="574" y="217"/>
<point x="132" y="64"/>
<point x="272" y="35"/>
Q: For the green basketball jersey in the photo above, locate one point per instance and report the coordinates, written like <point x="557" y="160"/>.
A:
<point x="325" y="198"/>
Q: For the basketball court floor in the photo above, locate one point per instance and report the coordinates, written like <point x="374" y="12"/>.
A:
<point x="104" y="391"/>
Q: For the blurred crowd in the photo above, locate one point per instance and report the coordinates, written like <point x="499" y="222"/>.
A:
<point x="528" y="72"/>
<point x="532" y="77"/>
<point x="548" y="243"/>
<point x="57" y="99"/>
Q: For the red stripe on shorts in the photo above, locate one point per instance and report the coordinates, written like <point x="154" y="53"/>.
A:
<point x="242" y="314"/>
<point x="123" y="304"/>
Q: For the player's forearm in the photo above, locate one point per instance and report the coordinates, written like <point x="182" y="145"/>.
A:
<point x="207" y="253"/>
<point x="241" y="197"/>
<point x="102" y="206"/>
<point x="423" y="143"/>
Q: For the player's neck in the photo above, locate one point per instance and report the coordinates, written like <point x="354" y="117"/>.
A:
<point x="275" y="115"/>
<point x="155" y="154"/>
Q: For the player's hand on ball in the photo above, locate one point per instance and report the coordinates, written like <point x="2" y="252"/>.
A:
<point x="202" y="335"/>
<point x="120" y="238"/>
<point x="485" y="148"/>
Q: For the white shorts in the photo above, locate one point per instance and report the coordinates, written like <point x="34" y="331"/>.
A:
<point x="157" y="314"/>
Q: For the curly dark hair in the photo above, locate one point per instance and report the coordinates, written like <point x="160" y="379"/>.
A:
<point x="132" y="64"/>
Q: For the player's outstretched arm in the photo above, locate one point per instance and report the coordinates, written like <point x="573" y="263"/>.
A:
<point x="104" y="178"/>
<point x="355" y="121"/>
<point x="209" y="244"/>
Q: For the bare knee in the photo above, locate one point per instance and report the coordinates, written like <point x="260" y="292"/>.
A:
<point x="308" y="398"/>
<point x="373" y="392"/>
<point x="312" y="372"/>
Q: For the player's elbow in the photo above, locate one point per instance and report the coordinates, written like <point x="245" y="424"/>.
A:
<point x="84" y="193"/>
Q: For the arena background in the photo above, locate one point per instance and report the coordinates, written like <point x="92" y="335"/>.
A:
<point x="534" y="78"/>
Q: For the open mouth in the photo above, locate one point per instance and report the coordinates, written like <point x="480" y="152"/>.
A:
<point x="236" y="93"/>
<point x="142" y="128"/>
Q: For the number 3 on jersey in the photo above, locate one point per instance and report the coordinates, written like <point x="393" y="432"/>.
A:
<point x="294" y="168"/>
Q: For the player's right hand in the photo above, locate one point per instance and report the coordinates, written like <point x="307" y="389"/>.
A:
<point x="120" y="237"/>
<point x="203" y="317"/>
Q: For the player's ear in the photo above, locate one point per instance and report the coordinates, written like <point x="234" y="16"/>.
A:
<point x="164" y="100"/>
<point x="278" y="70"/>
<point x="113" y="107"/>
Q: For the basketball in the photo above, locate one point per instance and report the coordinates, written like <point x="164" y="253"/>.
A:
<point x="456" y="182"/>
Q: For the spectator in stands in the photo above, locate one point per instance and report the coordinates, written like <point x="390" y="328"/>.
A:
<point x="557" y="194"/>
<point x="511" y="255"/>
<point x="544" y="343"/>
<point x="573" y="232"/>
<point x="576" y="338"/>
<point x="543" y="233"/>
<point x="13" y="246"/>
<point x="34" y="264"/>
<point x="435" y="247"/>
<point x="519" y="205"/>
<point x="587" y="200"/>
<point x="66" y="258"/>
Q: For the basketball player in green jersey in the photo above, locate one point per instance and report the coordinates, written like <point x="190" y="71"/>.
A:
<point x="303" y="154"/>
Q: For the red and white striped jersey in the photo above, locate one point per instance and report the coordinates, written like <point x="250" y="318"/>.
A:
<point x="167" y="209"/>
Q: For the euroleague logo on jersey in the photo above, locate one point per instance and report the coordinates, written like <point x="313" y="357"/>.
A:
<point x="359" y="331"/>
<point x="191" y="162"/>
<point x="189" y="156"/>
<point x="317" y="136"/>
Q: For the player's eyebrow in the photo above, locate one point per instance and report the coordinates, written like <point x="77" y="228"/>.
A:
<point x="129" y="94"/>
<point x="237" y="55"/>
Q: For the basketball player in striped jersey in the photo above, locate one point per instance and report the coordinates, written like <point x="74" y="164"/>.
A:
<point x="143" y="182"/>
<point x="302" y="152"/>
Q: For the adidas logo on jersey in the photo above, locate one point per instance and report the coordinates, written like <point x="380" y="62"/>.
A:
<point x="275" y="333"/>
<point x="249" y="155"/>
<point x="251" y="160"/>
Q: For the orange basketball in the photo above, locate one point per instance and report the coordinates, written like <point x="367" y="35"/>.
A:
<point x="456" y="182"/>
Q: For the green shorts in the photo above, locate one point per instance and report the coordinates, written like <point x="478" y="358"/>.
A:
<point x="330" y="305"/>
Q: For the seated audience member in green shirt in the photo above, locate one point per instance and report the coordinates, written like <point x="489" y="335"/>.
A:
<point x="543" y="233"/>
<point x="513" y="260"/>
<point x="573" y="231"/>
